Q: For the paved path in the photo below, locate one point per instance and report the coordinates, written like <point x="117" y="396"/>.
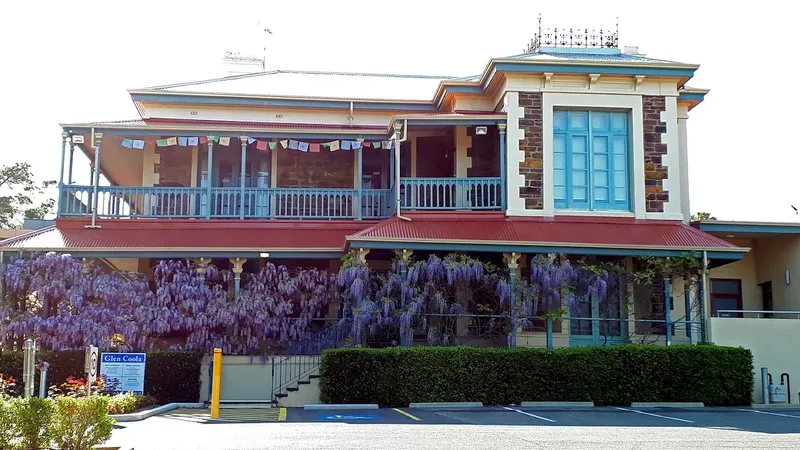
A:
<point x="485" y="428"/>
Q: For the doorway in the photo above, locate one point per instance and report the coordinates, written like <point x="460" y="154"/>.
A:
<point x="436" y="157"/>
<point x="766" y="298"/>
<point x="726" y="297"/>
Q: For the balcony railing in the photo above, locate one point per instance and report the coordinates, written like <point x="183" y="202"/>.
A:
<point x="451" y="193"/>
<point x="257" y="203"/>
<point x="282" y="203"/>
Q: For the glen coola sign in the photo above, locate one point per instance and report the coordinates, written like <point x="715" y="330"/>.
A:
<point x="124" y="369"/>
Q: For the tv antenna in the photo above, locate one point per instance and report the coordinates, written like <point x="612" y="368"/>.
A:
<point x="266" y="31"/>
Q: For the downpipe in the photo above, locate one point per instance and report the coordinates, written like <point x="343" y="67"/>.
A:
<point x="397" y="168"/>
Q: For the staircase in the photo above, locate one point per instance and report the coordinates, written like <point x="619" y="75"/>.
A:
<point x="300" y="365"/>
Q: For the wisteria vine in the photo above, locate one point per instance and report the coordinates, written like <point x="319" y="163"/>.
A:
<point x="66" y="306"/>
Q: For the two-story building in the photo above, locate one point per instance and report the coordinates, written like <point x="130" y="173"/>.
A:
<point x="577" y="148"/>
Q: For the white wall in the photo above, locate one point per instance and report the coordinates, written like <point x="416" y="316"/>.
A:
<point x="745" y="270"/>
<point x="772" y="341"/>
<point x="263" y="114"/>
<point x="773" y="256"/>
<point x="250" y="378"/>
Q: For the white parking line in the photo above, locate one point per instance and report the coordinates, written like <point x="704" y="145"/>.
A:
<point x="654" y="415"/>
<point x="771" y="413"/>
<point x="529" y="414"/>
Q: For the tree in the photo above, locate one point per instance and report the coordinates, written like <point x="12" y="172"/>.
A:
<point x="19" y="191"/>
<point x="702" y="216"/>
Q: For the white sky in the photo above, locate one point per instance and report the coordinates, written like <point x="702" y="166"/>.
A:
<point x="66" y="62"/>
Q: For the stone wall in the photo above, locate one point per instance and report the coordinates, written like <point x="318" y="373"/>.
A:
<point x="325" y="169"/>
<point x="654" y="151"/>
<point x="531" y="167"/>
<point x="485" y="153"/>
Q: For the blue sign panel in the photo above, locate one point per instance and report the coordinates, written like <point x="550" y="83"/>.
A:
<point x="124" y="369"/>
<point x="349" y="417"/>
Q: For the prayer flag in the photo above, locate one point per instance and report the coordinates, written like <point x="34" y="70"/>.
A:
<point x="334" y="145"/>
<point x="225" y="140"/>
<point x="250" y="140"/>
<point x="139" y="144"/>
<point x="313" y="148"/>
<point x="389" y="144"/>
<point x="272" y="145"/>
<point x="293" y="144"/>
<point x="356" y="145"/>
<point x="285" y="143"/>
<point x="346" y="145"/>
<point x="162" y="142"/>
<point x="183" y="141"/>
<point x="376" y="144"/>
<point x="193" y="140"/>
<point x="172" y="141"/>
<point x="367" y="144"/>
<point x="302" y="146"/>
<point x="203" y="139"/>
<point x="262" y="145"/>
<point x="127" y="143"/>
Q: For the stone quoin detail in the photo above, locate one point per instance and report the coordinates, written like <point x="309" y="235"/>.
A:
<point x="531" y="166"/>
<point x="654" y="151"/>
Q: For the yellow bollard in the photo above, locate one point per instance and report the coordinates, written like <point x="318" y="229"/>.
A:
<point x="216" y="383"/>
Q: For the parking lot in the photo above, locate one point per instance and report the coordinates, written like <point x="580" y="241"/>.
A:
<point x="487" y="427"/>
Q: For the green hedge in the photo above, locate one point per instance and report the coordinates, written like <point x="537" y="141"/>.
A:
<point x="169" y="376"/>
<point x="614" y="375"/>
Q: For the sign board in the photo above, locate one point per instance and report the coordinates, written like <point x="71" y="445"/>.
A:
<point x="349" y="417"/>
<point x="124" y="369"/>
<point x="77" y="139"/>
<point x="91" y="366"/>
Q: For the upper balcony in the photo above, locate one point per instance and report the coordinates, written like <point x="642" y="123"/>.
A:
<point x="441" y="167"/>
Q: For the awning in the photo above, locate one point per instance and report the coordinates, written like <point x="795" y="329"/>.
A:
<point x="494" y="232"/>
<point x="190" y="238"/>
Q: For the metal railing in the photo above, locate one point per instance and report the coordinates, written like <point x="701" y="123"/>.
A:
<point x="451" y="193"/>
<point x="303" y="359"/>
<point x="759" y="314"/>
<point x="226" y="202"/>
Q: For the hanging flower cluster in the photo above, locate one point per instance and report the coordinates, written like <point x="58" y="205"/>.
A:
<point x="66" y="306"/>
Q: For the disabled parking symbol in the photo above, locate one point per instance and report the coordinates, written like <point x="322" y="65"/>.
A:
<point x="349" y="417"/>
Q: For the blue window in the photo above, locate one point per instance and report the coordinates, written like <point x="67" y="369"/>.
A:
<point x="591" y="160"/>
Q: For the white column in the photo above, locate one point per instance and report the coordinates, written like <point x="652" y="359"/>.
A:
<point x="683" y="116"/>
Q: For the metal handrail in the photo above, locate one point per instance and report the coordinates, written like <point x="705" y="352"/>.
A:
<point x="755" y="311"/>
<point x="301" y="360"/>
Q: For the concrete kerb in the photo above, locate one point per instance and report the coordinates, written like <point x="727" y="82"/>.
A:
<point x="446" y="405"/>
<point x="667" y="405"/>
<point x="557" y="404"/>
<point x="775" y="406"/>
<point x="339" y="407"/>
<point x="141" y="415"/>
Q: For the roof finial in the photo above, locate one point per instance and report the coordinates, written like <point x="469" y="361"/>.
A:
<point x="574" y="37"/>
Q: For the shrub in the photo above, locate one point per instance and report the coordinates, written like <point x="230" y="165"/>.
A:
<point x="8" y="432"/>
<point x="128" y="403"/>
<point x="614" y="375"/>
<point x="170" y="376"/>
<point x="32" y="416"/>
<point x="80" y="423"/>
<point x="173" y="377"/>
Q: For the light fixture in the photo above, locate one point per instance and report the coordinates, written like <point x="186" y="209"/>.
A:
<point x="788" y="277"/>
<point x="481" y="131"/>
<point x="728" y="235"/>
<point x="263" y="255"/>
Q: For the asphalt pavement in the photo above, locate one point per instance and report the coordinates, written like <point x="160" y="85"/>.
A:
<point x="481" y="428"/>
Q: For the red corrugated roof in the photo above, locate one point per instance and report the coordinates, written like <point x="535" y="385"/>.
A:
<point x="496" y="228"/>
<point x="181" y="235"/>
